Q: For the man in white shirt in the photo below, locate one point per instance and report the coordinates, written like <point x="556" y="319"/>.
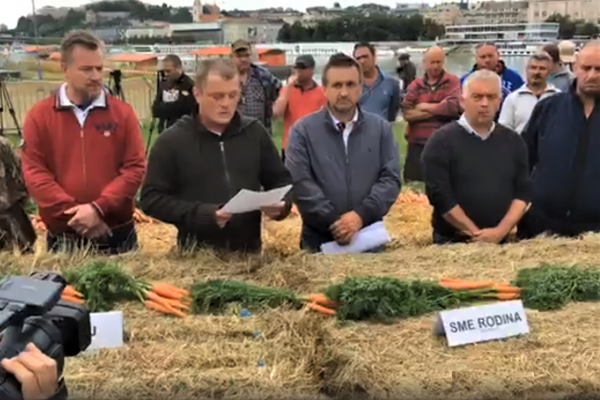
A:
<point x="519" y="104"/>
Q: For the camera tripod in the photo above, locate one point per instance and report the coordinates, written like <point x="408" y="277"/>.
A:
<point x="160" y="77"/>
<point x="7" y="104"/>
<point x="114" y="83"/>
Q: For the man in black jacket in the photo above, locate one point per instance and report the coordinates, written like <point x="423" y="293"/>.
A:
<point x="174" y="97"/>
<point x="200" y="163"/>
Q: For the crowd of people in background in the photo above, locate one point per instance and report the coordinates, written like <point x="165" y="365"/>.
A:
<point x="495" y="151"/>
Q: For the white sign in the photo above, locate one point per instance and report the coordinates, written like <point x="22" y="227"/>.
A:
<point x="107" y="330"/>
<point x="248" y="200"/>
<point x="483" y="323"/>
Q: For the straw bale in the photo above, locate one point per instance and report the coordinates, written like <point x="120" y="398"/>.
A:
<point x="407" y="223"/>
<point x="308" y="356"/>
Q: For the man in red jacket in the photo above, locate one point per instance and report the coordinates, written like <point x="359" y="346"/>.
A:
<point x="83" y="156"/>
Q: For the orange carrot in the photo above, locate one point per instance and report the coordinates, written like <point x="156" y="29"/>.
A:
<point x="321" y="299"/>
<point x="71" y="292"/>
<point x="507" y="296"/>
<point x="171" y="288"/>
<point x="71" y="299"/>
<point x="318" y="308"/>
<point x="506" y="289"/>
<point x="465" y="285"/>
<point x="165" y="292"/>
<point x="502" y="296"/>
<point x="164" y="309"/>
<point x="176" y="304"/>
<point x="157" y="299"/>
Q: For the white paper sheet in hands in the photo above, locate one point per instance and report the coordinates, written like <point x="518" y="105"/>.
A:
<point x="248" y="200"/>
<point x="368" y="238"/>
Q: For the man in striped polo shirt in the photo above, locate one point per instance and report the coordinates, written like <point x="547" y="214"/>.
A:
<point x="430" y="102"/>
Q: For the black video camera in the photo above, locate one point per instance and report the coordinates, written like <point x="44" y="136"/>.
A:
<point x="116" y="74"/>
<point x="31" y="311"/>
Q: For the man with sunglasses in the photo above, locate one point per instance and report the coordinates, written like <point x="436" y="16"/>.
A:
<point x="260" y="89"/>
<point x="301" y="96"/>
<point x="381" y="92"/>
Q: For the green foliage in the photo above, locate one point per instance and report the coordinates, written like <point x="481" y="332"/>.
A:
<point x="385" y="298"/>
<point x="569" y="28"/>
<point x="216" y="294"/>
<point x="551" y="287"/>
<point x="360" y="27"/>
<point x="49" y="26"/>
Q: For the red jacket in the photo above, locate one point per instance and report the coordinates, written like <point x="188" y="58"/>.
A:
<point x="65" y="164"/>
<point x="445" y="93"/>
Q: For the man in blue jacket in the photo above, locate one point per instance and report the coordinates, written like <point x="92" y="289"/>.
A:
<point x="488" y="57"/>
<point x="563" y="142"/>
<point x="344" y="162"/>
<point x="381" y="92"/>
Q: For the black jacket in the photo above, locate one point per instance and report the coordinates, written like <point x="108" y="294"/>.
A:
<point x="192" y="172"/>
<point x="168" y="113"/>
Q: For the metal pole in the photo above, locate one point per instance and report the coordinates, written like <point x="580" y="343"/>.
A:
<point x="37" y="41"/>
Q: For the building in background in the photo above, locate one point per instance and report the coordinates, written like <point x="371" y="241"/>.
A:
<point x="496" y="12"/>
<point x="587" y="10"/>
<point x="444" y="14"/>
<point x="147" y="32"/>
<point x="522" y="32"/>
<point x="203" y="32"/>
<point x="250" y="29"/>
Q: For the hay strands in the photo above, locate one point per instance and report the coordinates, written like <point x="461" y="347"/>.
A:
<point x="552" y="286"/>
<point x="215" y="295"/>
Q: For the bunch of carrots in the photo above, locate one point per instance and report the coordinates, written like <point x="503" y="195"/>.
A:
<point x="166" y="299"/>
<point x="320" y="303"/>
<point x="485" y="290"/>
<point x="70" y="294"/>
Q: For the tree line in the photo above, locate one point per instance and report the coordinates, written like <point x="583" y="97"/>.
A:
<point x="75" y="18"/>
<point x="569" y="28"/>
<point x="374" y="28"/>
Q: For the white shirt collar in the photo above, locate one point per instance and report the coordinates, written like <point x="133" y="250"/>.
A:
<point x="550" y="88"/>
<point x="351" y="123"/>
<point x="465" y="124"/>
<point x="64" y="101"/>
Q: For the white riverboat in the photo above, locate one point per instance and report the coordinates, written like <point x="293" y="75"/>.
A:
<point x="513" y="40"/>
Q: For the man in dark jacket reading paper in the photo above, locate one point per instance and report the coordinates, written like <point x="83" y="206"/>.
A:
<point x="197" y="165"/>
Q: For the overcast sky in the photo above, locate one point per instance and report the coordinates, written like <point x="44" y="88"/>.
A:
<point x="15" y="9"/>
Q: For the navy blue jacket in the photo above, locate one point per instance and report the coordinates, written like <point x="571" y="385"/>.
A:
<point x="563" y="154"/>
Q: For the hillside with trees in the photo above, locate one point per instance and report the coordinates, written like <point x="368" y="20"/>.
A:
<point x="75" y="18"/>
<point x="358" y="27"/>
<point x="569" y="28"/>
